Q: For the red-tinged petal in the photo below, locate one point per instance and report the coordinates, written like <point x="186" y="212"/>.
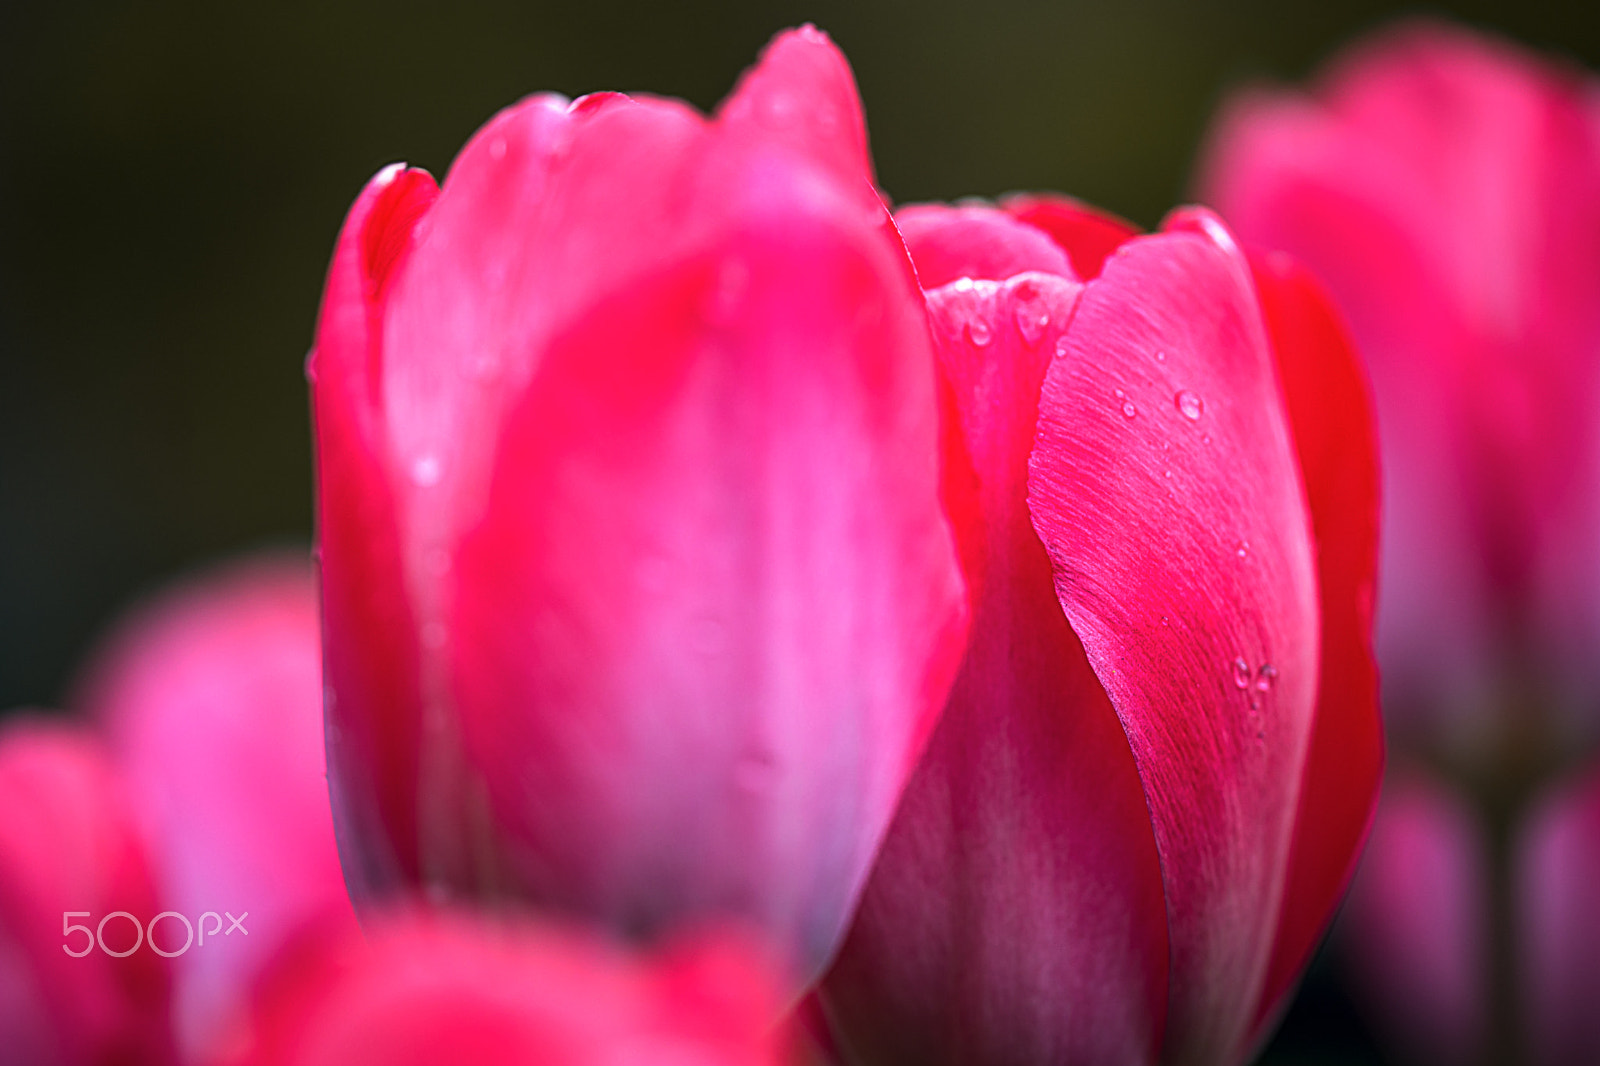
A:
<point x="1165" y="487"/>
<point x="1330" y="416"/>
<point x="370" y="653"/>
<point x="1558" y="867"/>
<point x="801" y="94"/>
<point x="69" y="844"/>
<point x="212" y="697"/>
<point x="1087" y="234"/>
<point x="455" y="989"/>
<point x="1015" y="913"/>
<point x="712" y="609"/>
<point x="1413" y="933"/>
<point x="1447" y="189"/>
<point x="947" y="243"/>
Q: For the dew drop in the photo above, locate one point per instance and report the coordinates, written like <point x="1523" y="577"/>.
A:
<point x="1062" y="346"/>
<point x="1129" y="410"/>
<point x="1120" y="393"/>
<point x="978" y="332"/>
<point x="1265" y="677"/>
<point x="1031" y="323"/>
<point x="1241" y="673"/>
<point x="1243" y="549"/>
<point x="963" y="285"/>
<point x="1189" y="405"/>
<point x="1161" y="357"/>
<point x="425" y="471"/>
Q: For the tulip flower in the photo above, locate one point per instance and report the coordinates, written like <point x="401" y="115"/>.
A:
<point x="638" y="595"/>
<point x="454" y="989"/>
<point x="1558" y="869"/>
<point x="211" y="697"/>
<point x="1161" y="754"/>
<point x="73" y="881"/>
<point x="1415" y="931"/>
<point x="1447" y="188"/>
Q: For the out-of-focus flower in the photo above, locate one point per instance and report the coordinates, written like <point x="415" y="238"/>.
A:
<point x="1415" y="931"/>
<point x="447" y="988"/>
<point x="1447" y="188"/>
<point x="639" y="600"/>
<point x="1161" y="755"/>
<point x="212" y="700"/>
<point x="1558" y="880"/>
<point x="70" y="856"/>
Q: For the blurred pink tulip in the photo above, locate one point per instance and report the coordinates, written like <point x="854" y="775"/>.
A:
<point x="212" y="699"/>
<point x="1415" y="932"/>
<point x="638" y="597"/>
<point x="1161" y="755"/>
<point x="70" y="855"/>
<point x="450" y="989"/>
<point x="1447" y="188"/>
<point x="1558" y="890"/>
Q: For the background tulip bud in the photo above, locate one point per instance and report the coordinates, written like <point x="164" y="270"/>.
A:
<point x="70" y="855"/>
<point x="211" y="697"/>
<point x="638" y="597"/>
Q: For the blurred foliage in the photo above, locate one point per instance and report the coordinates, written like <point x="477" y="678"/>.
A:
<point x="173" y="175"/>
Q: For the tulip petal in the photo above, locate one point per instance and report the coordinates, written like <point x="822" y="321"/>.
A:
<point x="947" y="243"/>
<point x="69" y="844"/>
<point x="370" y="654"/>
<point x="212" y="698"/>
<point x="1414" y="934"/>
<point x="454" y="989"/>
<point x="1330" y="414"/>
<point x="1558" y="867"/>
<point x="1164" y="485"/>
<point x="1087" y="234"/>
<point x="1015" y="913"/>
<point x="712" y="608"/>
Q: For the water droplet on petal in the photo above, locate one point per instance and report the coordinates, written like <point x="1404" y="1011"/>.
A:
<point x="1243" y="549"/>
<point x="1129" y="410"/>
<point x="1062" y="346"/>
<point x="425" y="471"/>
<point x="1031" y="322"/>
<point x="978" y="332"/>
<point x="1161" y="357"/>
<point x="1189" y="405"/>
<point x="962" y="285"/>
<point x="1265" y="677"/>
<point x="1241" y="673"/>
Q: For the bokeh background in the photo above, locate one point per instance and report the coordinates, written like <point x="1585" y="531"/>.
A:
<point x="172" y="176"/>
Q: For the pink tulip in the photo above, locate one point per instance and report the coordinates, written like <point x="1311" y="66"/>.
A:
<point x="449" y="989"/>
<point x="1447" y="188"/>
<point x="70" y="856"/>
<point x="1558" y="880"/>
<point x="639" y="600"/>
<point x="212" y="699"/>
<point x="1161" y="754"/>
<point x="1415" y="932"/>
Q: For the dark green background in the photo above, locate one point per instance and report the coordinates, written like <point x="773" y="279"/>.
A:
<point x="172" y="176"/>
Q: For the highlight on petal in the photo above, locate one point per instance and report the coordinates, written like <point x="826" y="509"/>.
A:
<point x="68" y="845"/>
<point x="453" y="988"/>
<point x="1414" y="931"/>
<point x="974" y="241"/>
<point x="1330" y="416"/>
<point x="1015" y="912"/>
<point x="1165" y="487"/>
<point x="1558" y="867"/>
<point x="212" y="700"/>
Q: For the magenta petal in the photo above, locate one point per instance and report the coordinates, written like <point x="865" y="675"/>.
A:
<point x="947" y="243"/>
<point x="1015" y="913"/>
<point x="69" y="842"/>
<point x="712" y="608"/>
<point x="213" y="701"/>
<point x="1414" y="932"/>
<point x="1087" y="234"/>
<point x="1164" y="485"/>
<point x="1558" y="869"/>
<point x="1330" y="413"/>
